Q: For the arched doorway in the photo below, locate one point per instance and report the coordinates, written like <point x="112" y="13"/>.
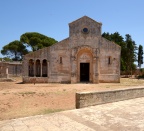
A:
<point x="38" y="68"/>
<point x="85" y="65"/>
<point x="44" y="68"/>
<point x="31" y="68"/>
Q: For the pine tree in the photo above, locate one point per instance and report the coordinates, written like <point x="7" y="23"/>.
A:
<point x="130" y="53"/>
<point x="140" y="56"/>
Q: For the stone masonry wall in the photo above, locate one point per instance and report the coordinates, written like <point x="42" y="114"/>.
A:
<point x="109" y="61"/>
<point x="60" y="62"/>
<point x="85" y="99"/>
<point x="64" y="58"/>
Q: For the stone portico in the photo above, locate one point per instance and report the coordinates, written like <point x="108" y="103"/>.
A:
<point x="85" y="56"/>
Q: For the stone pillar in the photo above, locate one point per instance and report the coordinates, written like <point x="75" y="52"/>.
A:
<point x="25" y="68"/>
<point x="48" y="71"/>
<point x="74" y="74"/>
<point x="97" y="70"/>
<point x="41" y="69"/>
<point x="34" y="68"/>
<point x="0" y="70"/>
<point x="7" y="74"/>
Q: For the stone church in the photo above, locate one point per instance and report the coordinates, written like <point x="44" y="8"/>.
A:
<point x="85" y="56"/>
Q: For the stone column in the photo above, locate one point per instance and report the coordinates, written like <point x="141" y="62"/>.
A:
<point x="7" y="74"/>
<point x="97" y="70"/>
<point x="74" y="74"/>
<point x="34" y="68"/>
<point x="0" y="70"/>
<point x="41" y="69"/>
<point x="48" y="69"/>
<point x="25" y="68"/>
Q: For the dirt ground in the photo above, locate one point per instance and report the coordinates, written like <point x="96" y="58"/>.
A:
<point x="20" y="100"/>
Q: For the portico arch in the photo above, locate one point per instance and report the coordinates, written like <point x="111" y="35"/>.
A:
<point x="44" y="68"/>
<point x="38" y="68"/>
<point x="85" y="65"/>
<point x="31" y="68"/>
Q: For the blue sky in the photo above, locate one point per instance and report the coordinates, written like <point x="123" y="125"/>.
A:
<point x="51" y="17"/>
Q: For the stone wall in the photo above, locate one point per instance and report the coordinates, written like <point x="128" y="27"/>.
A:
<point x="60" y="62"/>
<point x="109" y="61"/>
<point x="65" y="57"/>
<point x="10" y="69"/>
<point x="76" y="27"/>
<point x="3" y="70"/>
<point x="15" y="69"/>
<point x="85" y="99"/>
<point x="35" y="80"/>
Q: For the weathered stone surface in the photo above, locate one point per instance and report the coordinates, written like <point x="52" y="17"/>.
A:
<point x="10" y="69"/>
<point x="85" y="99"/>
<point x="117" y="116"/>
<point x="63" y="61"/>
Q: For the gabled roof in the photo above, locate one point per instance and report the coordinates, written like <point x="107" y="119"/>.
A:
<point x="84" y="18"/>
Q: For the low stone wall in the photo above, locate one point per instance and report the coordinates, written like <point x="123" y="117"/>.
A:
<point x="35" y="80"/>
<point x="85" y="99"/>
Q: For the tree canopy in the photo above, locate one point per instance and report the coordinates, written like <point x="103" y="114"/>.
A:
<point x="128" y="50"/>
<point x="36" y="40"/>
<point x="14" y="50"/>
<point x="5" y="59"/>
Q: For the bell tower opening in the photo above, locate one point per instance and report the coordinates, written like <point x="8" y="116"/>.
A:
<point x="84" y="72"/>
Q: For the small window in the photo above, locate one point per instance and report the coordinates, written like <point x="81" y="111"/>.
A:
<point x="109" y="60"/>
<point x="60" y="60"/>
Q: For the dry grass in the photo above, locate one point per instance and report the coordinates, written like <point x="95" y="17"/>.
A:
<point x="19" y="100"/>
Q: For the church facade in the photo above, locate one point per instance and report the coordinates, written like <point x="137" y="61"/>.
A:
<point x="85" y="56"/>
